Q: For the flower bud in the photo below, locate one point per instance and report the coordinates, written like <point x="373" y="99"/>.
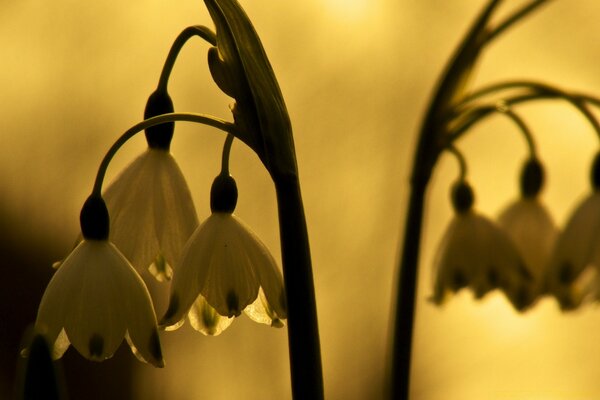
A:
<point x="94" y="219"/>
<point x="159" y="136"/>
<point x="462" y="197"/>
<point x="223" y="194"/>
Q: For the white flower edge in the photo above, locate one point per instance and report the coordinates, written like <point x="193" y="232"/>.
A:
<point x="94" y="301"/>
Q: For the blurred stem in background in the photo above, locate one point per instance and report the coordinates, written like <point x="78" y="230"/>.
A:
<point x="435" y="136"/>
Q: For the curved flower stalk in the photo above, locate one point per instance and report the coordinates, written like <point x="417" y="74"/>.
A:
<point x="477" y="254"/>
<point x="84" y="303"/>
<point x="573" y="272"/>
<point x="225" y="269"/>
<point x="529" y="224"/>
<point x="152" y="212"/>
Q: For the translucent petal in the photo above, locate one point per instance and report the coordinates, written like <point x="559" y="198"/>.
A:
<point x="269" y="276"/>
<point x="206" y="319"/>
<point x="157" y="216"/>
<point x="231" y="284"/>
<point x="60" y="345"/>
<point x="191" y="274"/>
<point x="532" y="231"/>
<point x="95" y="321"/>
<point x="475" y="253"/>
<point x="260" y="311"/>
<point x="575" y="250"/>
<point x="175" y="216"/>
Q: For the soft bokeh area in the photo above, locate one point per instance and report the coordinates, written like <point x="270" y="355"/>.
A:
<point x="356" y="76"/>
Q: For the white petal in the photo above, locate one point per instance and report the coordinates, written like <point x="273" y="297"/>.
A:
<point x="575" y="250"/>
<point x="532" y="231"/>
<point x="269" y="276"/>
<point x="206" y="319"/>
<point x="260" y="311"/>
<point x="191" y="274"/>
<point x="231" y="284"/>
<point x="477" y="254"/>
<point x="151" y="209"/>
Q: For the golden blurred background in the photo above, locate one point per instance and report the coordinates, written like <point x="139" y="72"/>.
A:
<point x="356" y="76"/>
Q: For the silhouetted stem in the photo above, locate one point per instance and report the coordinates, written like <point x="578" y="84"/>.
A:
<point x="178" y="44"/>
<point x="303" y="333"/>
<point x="406" y="292"/>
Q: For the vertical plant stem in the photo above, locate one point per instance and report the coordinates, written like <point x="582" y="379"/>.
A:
<point x="407" y="288"/>
<point x="303" y="332"/>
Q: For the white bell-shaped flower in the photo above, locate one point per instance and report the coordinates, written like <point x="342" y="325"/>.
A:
<point x="225" y="269"/>
<point x="152" y="212"/>
<point x="477" y="254"/>
<point x="96" y="298"/>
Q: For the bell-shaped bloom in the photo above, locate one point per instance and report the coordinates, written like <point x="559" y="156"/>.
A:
<point x="532" y="231"/>
<point x="573" y="269"/>
<point x="152" y="214"/>
<point x="93" y="301"/>
<point x="224" y="270"/>
<point x="477" y="254"/>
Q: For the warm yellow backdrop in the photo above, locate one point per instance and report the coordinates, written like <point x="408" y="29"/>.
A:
<point x="356" y="76"/>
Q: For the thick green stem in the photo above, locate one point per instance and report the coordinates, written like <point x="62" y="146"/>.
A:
<point x="303" y="332"/>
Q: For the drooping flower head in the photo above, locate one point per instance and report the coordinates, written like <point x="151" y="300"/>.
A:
<point x="575" y="262"/>
<point x="529" y="225"/>
<point x="151" y="208"/>
<point x="96" y="298"/>
<point x="225" y="269"/>
<point x="478" y="255"/>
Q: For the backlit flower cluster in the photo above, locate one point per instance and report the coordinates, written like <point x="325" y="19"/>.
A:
<point x="522" y="253"/>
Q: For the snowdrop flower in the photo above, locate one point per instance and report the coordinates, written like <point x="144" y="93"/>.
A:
<point x="96" y="298"/>
<point x="151" y="208"/>
<point x="477" y="254"/>
<point x="573" y="270"/>
<point x="528" y="223"/>
<point x="225" y="269"/>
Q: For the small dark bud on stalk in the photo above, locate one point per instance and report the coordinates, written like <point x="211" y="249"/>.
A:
<point x="94" y="219"/>
<point x="223" y="194"/>
<point x="462" y="197"/>
<point x="532" y="178"/>
<point x="159" y="136"/>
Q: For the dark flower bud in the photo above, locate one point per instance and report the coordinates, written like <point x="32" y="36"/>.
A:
<point x="462" y="197"/>
<point x="532" y="178"/>
<point x="159" y="136"/>
<point x="223" y="194"/>
<point x="94" y="219"/>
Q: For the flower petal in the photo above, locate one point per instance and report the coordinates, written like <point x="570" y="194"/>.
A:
<point x="576" y="249"/>
<point x="206" y="319"/>
<point x="532" y="231"/>
<point x="94" y="321"/>
<point x="155" y="218"/>
<point x="231" y="284"/>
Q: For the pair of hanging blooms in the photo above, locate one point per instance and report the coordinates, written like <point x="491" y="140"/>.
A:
<point x="146" y="219"/>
